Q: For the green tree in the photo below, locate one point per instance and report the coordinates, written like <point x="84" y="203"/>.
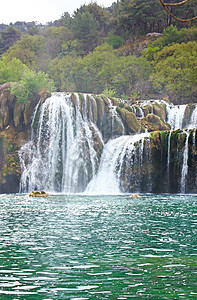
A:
<point x="99" y="13"/>
<point x="28" y="49"/>
<point x="101" y="70"/>
<point x="85" y="28"/>
<point x="140" y="17"/>
<point x="8" y="38"/>
<point x="11" y="69"/>
<point x="54" y="38"/>
<point x="65" y="20"/>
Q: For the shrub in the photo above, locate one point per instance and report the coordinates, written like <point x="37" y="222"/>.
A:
<point x="31" y="84"/>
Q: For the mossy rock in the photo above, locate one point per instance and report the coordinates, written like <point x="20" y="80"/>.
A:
<point x="121" y="105"/>
<point x="105" y="99"/>
<point x="11" y="166"/>
<point x="159" y="109"/>
<point x="114" y="101"/>
<point x="92" y="107"/>
<point x="164" y="135"/>
<point x="129" y="108"/>
<point x="6" y="105"/>
<point x="18" y="113"/>
<point x="73" y="99"/>
<point x="80" y="101"/>
<point x="154" y="123"/>
<point x="188" y="113"/>
<point x="155" y="135"/>
<point x="182" y="138"/>
<point x="4" y="117"/>
<point x="100" y="108"/>
<point x="147" y="109"/>
<point x="29" y="108"/>
<point x="129" y="118"/>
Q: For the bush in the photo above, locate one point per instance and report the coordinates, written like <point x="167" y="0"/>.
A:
<point x="11" y="69"/>
<point x="31" y="84"/>
<point x="115" y="41"/>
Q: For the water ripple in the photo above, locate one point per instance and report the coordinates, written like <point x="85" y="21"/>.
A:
<point x="113" y="247"/>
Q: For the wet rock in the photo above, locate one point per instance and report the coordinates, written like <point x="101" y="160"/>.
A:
<point x="38" y="194"/>
<point x="159" y="109"/>
<point x="130" y="121"/>
<point x="154" y="123"/>
<point x="134" y="196"/>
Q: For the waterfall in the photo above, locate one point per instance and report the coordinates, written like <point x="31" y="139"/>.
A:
<point x="115" y="117"/>
<point x="168" y="158"/>
<point x="138" y="111"/>
<point x="62" y="154"/>
<point x="185" y="165"/>
<point x="141" y="113"/>
<point x="175" y="115"/>
<point x="78" y="144"/>
<point x="178" y="116"/>
<point x="107" y="180"/>
<point x="193" y="120"/>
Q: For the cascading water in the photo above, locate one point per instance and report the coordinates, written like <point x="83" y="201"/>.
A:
<point x="114" y="117"/>
<point x="193" y="120"/>
<point x="168" y="156"/>
<point x="78" y="144"/>
<point x="64" y="151"/>
<point x="61" y="155"/>
<point x="107" y="180"/>
<point x="185" y="165"/>
<point x="175" y="115"/>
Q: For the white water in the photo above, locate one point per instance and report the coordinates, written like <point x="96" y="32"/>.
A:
<point x="168" y="156"/>
<point x="107" y="180"/>
<point x="185" y="165"/>
<point x="175" y="115"/>
<point x="193" y="120"/>
<point x="115" y="117"/>
<point x="62" y="156"/>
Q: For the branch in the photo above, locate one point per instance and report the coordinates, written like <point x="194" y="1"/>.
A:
<point x="173" y="16"/>
<point x="175" y="4"/>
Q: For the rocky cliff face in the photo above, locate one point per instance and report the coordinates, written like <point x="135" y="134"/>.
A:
<point x="166" y="162"/>
<point x="70" y="133"/>
<point x="15" y="120"/>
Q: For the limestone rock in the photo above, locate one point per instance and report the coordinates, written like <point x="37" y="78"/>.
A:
<point x="159" y="109"/>
<point x="154" y="123"/>
<point x="38" y="194"/>
<point x="6" y="104"/>
<point x="129" y="118"/>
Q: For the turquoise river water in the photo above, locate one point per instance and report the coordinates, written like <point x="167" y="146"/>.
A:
<point x="98" y="247"/>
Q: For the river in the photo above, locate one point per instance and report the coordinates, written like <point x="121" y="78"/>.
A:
<point x="98" y="247"/>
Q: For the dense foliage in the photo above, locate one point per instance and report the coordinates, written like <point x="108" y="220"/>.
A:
<point x="176" y="71"/>
<point x="25" y="83"/>
<point x="31" y="84"/>
<point x="100" y="50"/>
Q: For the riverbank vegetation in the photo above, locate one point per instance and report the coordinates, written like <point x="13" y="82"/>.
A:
<point x="130" y="50"/>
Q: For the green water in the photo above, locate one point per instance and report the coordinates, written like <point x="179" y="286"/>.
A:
<point x="114" y="247"/>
